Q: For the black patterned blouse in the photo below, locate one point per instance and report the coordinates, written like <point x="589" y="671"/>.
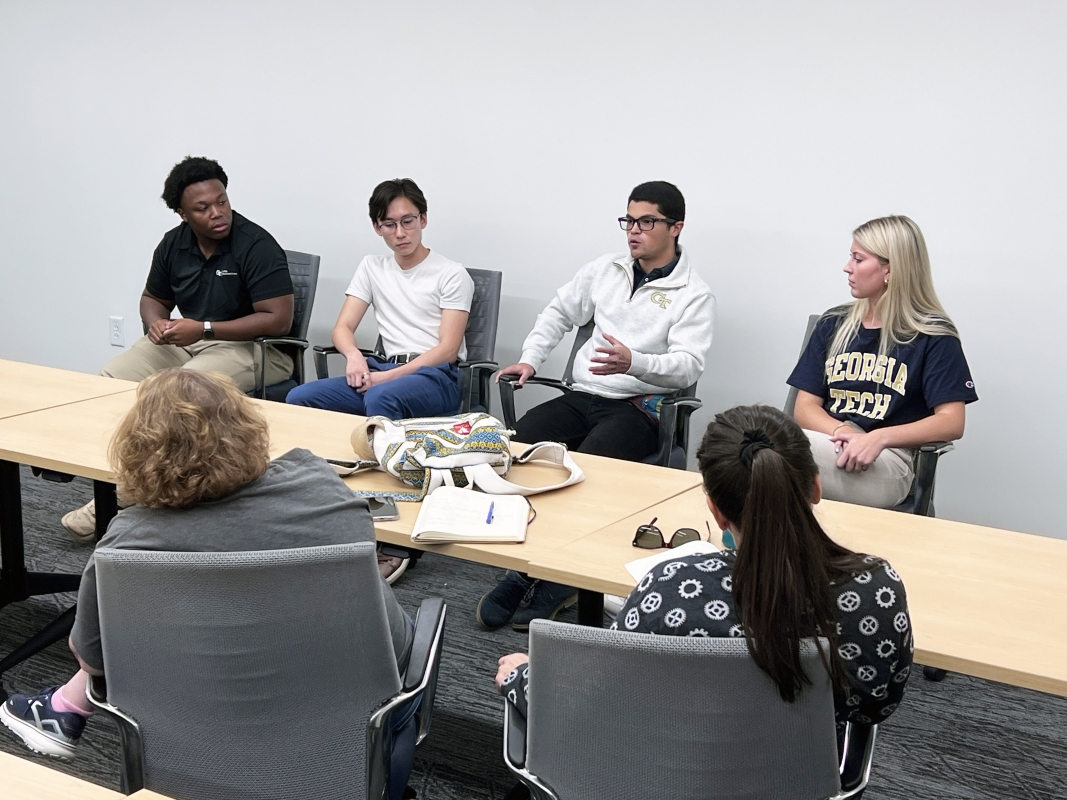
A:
<point x="692" y="597"/>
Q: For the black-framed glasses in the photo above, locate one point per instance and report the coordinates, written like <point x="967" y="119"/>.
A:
<point x="643" y="223"/>
<point x="650" y="537"/>
<point x="408" y="222"/>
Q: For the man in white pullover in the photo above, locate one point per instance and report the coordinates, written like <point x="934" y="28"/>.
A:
<point x="652" y="320"/>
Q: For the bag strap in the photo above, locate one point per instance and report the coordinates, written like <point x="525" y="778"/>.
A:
<point x="485" y="477"/>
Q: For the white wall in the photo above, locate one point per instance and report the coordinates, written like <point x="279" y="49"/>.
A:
<point x="526" y="124"/>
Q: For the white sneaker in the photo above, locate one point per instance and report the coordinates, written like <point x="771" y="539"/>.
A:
<point x="81" y="522"/>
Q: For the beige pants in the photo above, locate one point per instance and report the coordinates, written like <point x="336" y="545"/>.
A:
<point x="885" y="483"/>
<point x="236" y="359"/>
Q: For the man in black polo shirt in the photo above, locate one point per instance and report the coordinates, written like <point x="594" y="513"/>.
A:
<point x="229" y="279"/>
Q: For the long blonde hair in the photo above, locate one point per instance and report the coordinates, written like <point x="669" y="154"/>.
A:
<point x="190" y="436"/>
<point x="909" y="305"/>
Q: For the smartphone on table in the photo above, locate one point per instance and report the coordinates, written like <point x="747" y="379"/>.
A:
<point x="383" y="509"/>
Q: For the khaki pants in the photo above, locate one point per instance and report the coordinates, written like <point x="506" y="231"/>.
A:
<point x="236" y="359"/>
<point x="885" y="483"/>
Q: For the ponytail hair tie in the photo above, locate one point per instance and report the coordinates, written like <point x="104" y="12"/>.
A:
<point x="752" y="442"/>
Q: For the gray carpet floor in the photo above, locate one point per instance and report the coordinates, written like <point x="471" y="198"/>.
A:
<point x="963" y="738"/>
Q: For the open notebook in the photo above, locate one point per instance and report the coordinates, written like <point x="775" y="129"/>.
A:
<point x="449" y="514"/>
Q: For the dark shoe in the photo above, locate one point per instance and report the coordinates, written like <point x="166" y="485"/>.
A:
<point x="548" y="600"/>
<point x="42" y="728"/>
<point x="498" y="606"/>
<point x="391" y="567"/>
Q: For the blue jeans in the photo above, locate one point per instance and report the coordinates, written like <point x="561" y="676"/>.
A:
<point x="427" y="392"/>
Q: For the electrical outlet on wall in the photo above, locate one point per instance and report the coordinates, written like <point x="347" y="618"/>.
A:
<point x="116" y="332"/>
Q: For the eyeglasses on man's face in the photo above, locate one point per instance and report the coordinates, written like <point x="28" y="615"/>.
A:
<point x="643" y="223"/>
<point x="408" y="222"/>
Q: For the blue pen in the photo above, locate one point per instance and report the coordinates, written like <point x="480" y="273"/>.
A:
<point x="489" y="516"/>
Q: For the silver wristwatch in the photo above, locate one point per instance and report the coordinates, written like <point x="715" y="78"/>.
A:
<point x="208" y="333"/>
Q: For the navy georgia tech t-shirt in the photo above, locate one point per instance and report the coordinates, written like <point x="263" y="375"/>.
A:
<point x="873" y="391"/>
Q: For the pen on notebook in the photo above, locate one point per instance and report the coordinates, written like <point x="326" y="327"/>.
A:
<point x="489" y="516"/>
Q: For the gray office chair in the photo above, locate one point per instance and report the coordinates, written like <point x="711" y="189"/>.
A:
<point x="256" y="674"/>
<point x="673" y="447"/>
<point x="304" y="271"/>
<point x="920" y="498"/>
<point x="479" y="336"/>
<point x="628" y="715"/>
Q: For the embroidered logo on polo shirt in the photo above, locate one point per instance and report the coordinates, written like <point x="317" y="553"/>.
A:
<point x="223" y="273"/>
<point x="660" y="299"/>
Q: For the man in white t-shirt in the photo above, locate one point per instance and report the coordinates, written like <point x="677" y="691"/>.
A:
<point x="421" y="303"/>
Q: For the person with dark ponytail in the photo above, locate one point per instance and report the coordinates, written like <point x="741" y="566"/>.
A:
<point x="785" y="581"/>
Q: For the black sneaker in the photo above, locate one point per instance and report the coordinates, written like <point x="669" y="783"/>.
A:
<point x="42" y="728"/>
<point x="498" y="606"/>
<point x="548" y="600"/>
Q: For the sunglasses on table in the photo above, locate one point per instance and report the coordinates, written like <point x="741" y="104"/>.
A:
<point x="650" y="537"/>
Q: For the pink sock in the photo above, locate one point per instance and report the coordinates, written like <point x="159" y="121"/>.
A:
<point x="64" y="706"/>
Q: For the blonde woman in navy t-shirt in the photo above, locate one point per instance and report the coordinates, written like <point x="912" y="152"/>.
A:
<point x="883" y="374"/>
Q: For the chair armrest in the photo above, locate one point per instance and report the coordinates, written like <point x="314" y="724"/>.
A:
<point x="478" y="366"/>
<point x="508" y="386"/>
<point x="425" y="641"/>
<point x="937" y="447"/>
<point x="96" y="691"/>
<point x="129" y="734"/>
<point x="320" y="353"/>
<point x="514" y="737"/>
<point x="674" y="411"/>
<point x="265" y="341"/>
<point x="857" y="758"/>
<point x="290" y="340"/>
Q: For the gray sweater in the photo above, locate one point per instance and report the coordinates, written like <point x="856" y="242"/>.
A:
<point x="299" y="502"/>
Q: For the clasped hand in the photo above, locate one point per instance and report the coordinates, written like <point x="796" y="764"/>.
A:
<point x="179" y="332"/>
<point x="857" y="450"/>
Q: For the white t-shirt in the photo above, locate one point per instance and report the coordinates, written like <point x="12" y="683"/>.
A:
<point x="408" y="302"/>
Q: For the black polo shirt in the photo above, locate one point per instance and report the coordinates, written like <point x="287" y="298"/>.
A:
<point x="641" y="277"/>
<point x="246" y="267"/>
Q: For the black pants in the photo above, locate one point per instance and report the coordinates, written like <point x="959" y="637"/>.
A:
<point x="591" y="424"/>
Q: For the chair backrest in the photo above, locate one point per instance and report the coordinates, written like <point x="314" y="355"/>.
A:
<point x="791" y="398"/>
<point x="480" y="335"/>
<point x="304" y="271"/>
<point x="249" y="674"/>
<point x="628" y="715"/>
<point x="581" y="336"/>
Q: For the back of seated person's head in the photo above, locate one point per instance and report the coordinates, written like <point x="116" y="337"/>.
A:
<point x="191" y="436"/>
<point x="759" y="472"/>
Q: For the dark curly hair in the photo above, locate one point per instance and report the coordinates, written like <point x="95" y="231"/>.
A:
<point x="190" y="170"/>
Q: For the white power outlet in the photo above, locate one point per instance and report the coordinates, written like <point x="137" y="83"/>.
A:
<point x="116" y="332"/>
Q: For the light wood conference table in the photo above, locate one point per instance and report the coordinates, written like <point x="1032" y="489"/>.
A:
<point x="74" y="439"/>
<point x="983" y="601"/>
<point x="22" y="779"/>
<point x="29" y="387"/>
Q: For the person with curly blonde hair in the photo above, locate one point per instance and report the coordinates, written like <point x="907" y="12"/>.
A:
<point x="192" y="459"/>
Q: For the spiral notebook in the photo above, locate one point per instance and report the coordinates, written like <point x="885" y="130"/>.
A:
<point x="449" y="514"/>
